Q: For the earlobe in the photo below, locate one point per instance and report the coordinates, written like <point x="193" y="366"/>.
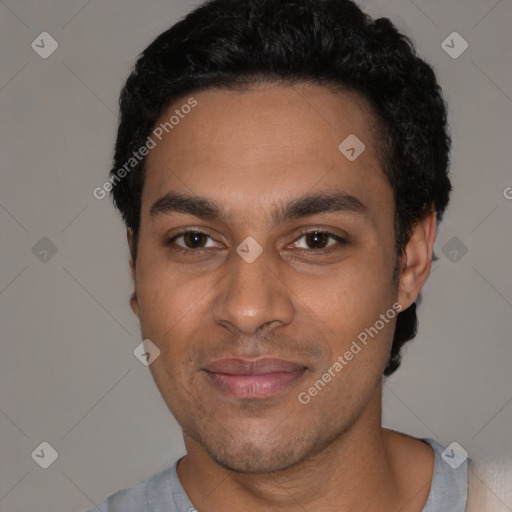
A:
<point x="129" y="236"/>
<point x="416" y="260"/>
<point x="134" y="303"/>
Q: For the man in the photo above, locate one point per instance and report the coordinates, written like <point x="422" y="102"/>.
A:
<point x="281" y="167"/>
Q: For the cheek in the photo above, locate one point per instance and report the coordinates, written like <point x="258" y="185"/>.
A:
<point x="163" y="290"/>
<point x="174" y="306"/>
<point x="351" y="304"/>
<point x="354" y="295"/>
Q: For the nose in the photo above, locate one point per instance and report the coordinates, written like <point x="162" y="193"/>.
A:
<point x="252" y="295"/>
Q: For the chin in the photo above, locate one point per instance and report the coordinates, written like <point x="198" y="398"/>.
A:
<point x="249" y="457"/>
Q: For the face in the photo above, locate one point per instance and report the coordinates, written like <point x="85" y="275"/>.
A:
<point x="254" y="293"/>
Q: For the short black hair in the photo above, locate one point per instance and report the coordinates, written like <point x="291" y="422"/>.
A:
<point x="237" y="43"/>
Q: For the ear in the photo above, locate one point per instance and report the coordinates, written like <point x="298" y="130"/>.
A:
<point x="134" y="304"/>
<point x="416" y="260"/>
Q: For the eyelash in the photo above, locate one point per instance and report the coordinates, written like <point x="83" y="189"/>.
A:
<point x="341" y="241"/>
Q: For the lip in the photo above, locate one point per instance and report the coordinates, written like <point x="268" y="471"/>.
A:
<point x="253" y="378"/>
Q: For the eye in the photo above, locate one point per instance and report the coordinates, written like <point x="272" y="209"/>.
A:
<point x="192" y="239"/>
<point x="317" y="240"/>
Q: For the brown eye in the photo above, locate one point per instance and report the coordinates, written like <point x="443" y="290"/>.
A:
<point x="191" y="240"/>
<point x="318" y="240"/>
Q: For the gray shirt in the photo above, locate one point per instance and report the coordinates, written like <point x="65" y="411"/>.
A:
<point x="163" y="492"/>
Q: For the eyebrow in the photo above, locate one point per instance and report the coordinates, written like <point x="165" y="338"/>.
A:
<point x="303" y="206"/>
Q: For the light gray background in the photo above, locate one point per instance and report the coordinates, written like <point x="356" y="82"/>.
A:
<point x="68" y="375"/>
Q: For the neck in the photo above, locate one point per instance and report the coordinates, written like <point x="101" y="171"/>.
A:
<point x="358" y="470"/>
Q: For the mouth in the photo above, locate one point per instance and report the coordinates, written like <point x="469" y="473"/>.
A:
<point x="253" y="378"/>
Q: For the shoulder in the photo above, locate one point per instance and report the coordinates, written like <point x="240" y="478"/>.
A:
<point x="154" y="491"/>
<point x="126" y="500"/>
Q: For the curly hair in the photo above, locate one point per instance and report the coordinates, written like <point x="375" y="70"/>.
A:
<point x="236" y="43"/>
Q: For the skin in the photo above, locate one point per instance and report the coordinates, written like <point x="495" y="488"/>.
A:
<point x="249" y="151"/>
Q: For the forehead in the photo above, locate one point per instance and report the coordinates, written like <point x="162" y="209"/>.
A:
<point x="267" y="142"/>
